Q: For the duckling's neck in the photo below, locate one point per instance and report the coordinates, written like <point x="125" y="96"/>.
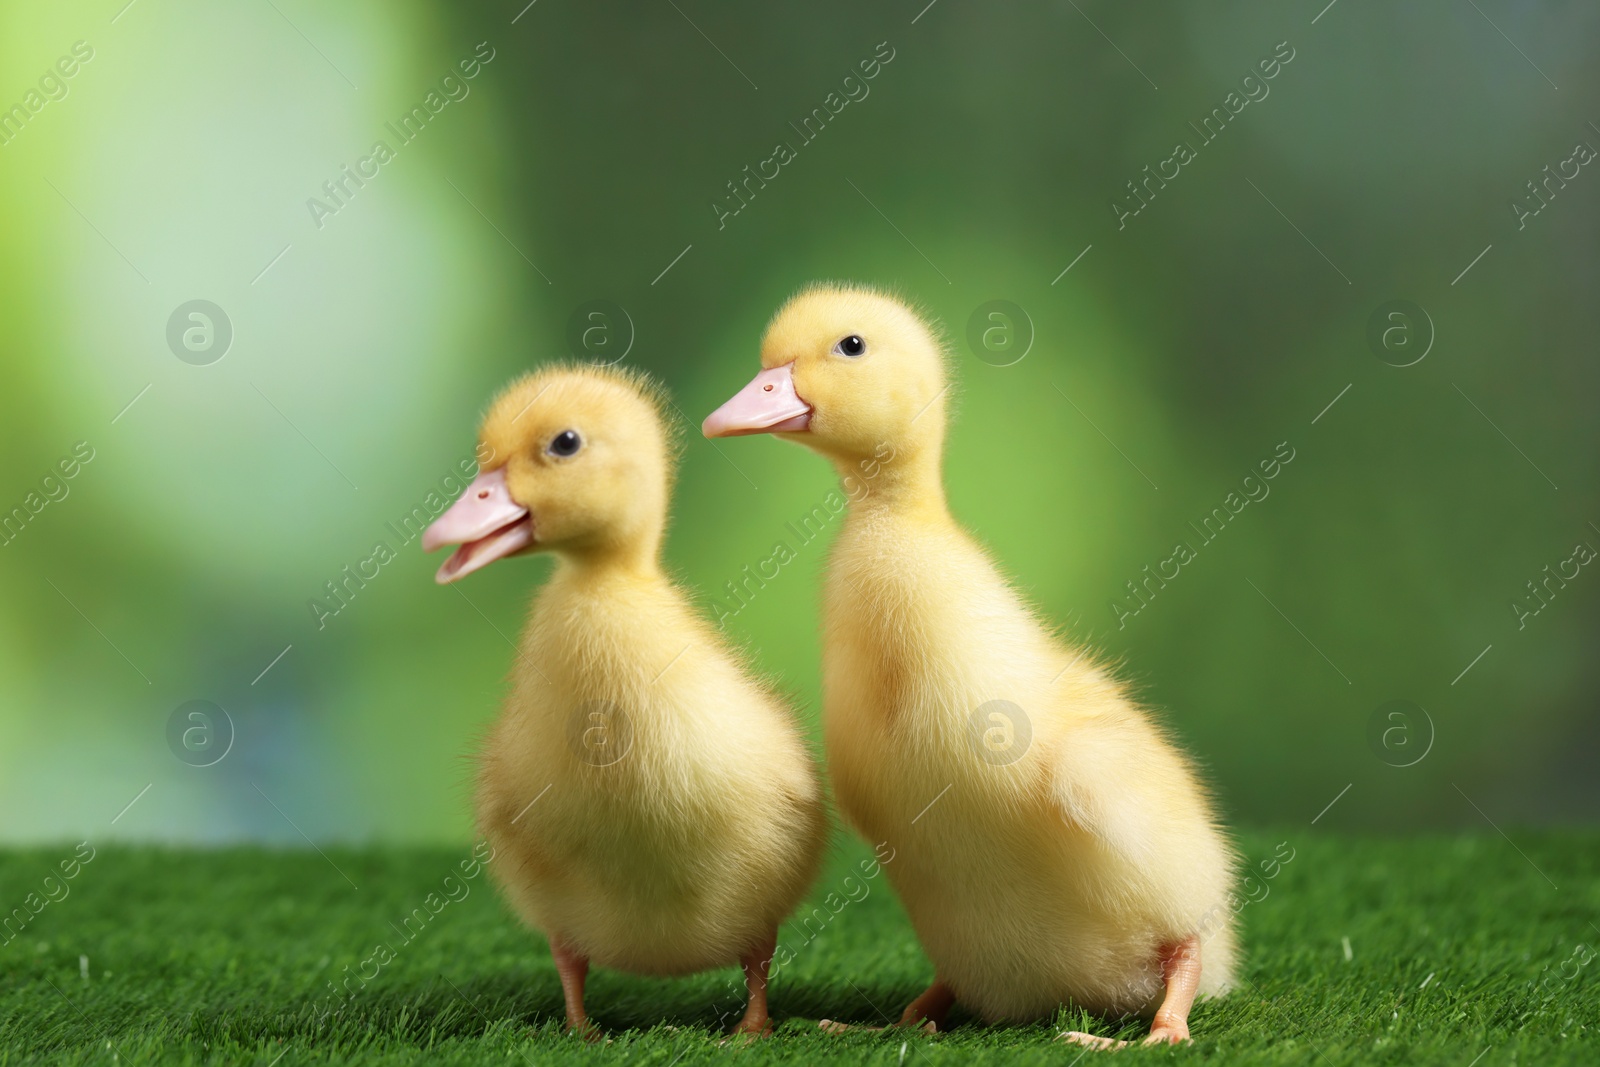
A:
<point x="633" y="561"/>
<point x="909" y="484"/>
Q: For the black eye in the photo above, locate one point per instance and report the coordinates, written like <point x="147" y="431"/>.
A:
<point x="565" y="443"/>
<point x="851" y="346"/>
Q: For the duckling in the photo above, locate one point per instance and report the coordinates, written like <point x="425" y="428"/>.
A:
<point x="652" y="807"/>
<point x="1052" y="844"/>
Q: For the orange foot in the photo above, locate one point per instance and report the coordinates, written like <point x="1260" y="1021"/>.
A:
<point x="588" y="1030"/>
<point x="1180" y="969"/>
<point x="749" y="1031"/>
<point x="1159" y="1035"/>
<point x="828" y="1026"/>
<point x="1168" y="1035"/>
<point x="1078" y="1037"/>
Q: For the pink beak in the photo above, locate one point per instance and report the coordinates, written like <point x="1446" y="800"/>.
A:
<point x="485" y="522"/>
<point x="768" y="404"/>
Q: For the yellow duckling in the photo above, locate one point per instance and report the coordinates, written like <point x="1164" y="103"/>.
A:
<point x="652" y="807"/>
<point x="1051" y="844"/>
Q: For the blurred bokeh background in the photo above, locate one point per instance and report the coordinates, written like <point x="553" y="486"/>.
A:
<point x="1142" y="366"/>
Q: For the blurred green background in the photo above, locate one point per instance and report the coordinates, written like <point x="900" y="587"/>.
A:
<point x="583" y="163"/>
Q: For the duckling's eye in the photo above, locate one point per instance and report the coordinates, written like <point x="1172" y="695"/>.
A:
<point x="566" y="443"/>
<point x="851" y="346"/>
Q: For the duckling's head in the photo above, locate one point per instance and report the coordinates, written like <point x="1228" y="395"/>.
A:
<point x="577" y="460"/>
<point x="846" y="369"/>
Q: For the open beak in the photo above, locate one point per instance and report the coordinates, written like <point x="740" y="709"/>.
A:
<point x="485" y="522"/>
<point x="768" y="404"/>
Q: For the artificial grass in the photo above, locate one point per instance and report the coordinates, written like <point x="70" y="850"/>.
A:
<point x="1458" y="947"/>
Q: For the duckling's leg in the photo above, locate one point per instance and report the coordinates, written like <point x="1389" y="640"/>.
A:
<point x="573" y="967"/>
<point x="1180" y="969"/>
<point x="755" y="964"/>
<point x="927" y="1012"/>
<point x="930" y="1008"/>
